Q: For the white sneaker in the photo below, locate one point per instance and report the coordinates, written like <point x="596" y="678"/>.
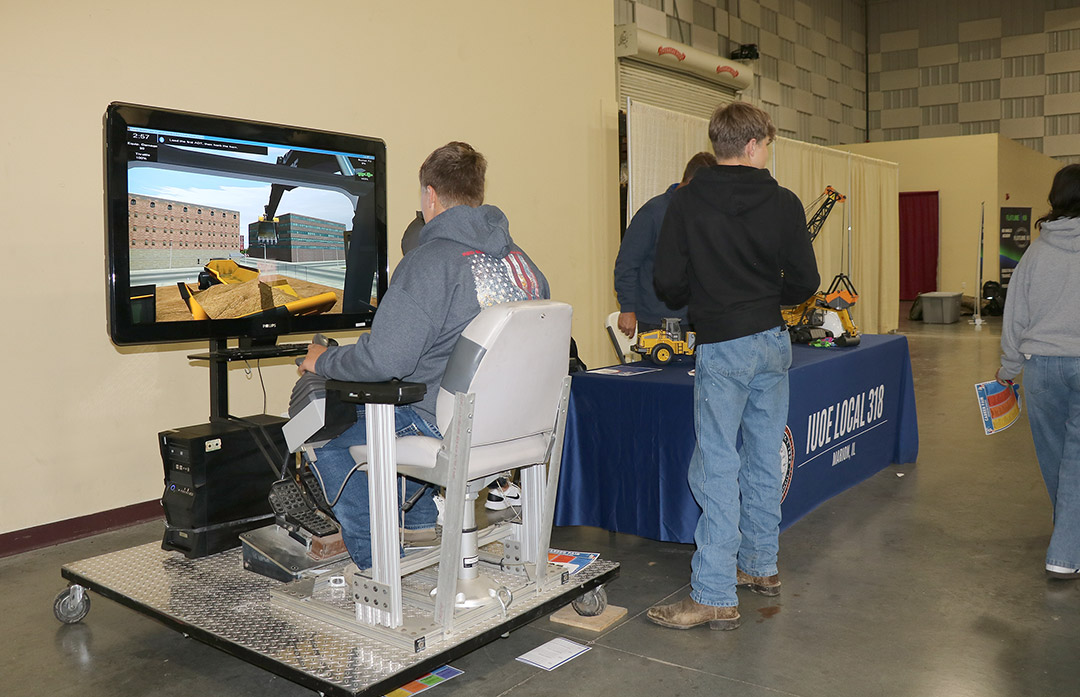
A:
<point x="499" y="499"/>
<point x="1062" y="572"/>
<point x="440" y="504"/>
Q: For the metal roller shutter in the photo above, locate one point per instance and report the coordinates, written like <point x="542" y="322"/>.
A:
<point x="671" y="90"/>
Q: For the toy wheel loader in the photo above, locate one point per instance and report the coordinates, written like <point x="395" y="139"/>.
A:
<point x="661" y="345"/>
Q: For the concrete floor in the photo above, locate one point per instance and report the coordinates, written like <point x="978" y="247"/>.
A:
<point x="926" y="580"/>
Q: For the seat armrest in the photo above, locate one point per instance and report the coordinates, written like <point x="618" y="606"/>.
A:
<point x="393" y="392"/>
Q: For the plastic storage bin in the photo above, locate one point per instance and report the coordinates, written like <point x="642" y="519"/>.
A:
<point x="940" y="307"/>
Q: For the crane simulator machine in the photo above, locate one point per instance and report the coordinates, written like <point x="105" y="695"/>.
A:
<point x="237" y="232"/>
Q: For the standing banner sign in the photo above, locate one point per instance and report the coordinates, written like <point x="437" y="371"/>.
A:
<point x="1015" y="238"/>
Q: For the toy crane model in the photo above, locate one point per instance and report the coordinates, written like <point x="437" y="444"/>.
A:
<point x="826" y="312"/>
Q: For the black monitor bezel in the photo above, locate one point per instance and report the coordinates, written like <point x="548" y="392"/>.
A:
<point x="120" y="116"/>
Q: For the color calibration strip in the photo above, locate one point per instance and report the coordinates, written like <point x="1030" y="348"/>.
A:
<point x="435" y="677"/>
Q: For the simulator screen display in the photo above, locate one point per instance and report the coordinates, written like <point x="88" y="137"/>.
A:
<point x="235" y="228"/>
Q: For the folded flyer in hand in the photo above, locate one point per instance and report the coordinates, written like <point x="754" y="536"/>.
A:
<point x="999" y="405"/>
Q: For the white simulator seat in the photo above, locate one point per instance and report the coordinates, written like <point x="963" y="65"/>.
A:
<point x="501" y="406"/>
<point x="514" y="357"/>
<point x="619" y="341"/>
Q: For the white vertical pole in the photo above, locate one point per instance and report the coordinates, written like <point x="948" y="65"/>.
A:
<point x="847" y="216"/>
<point x="978" y="321"/>
<point x="629" y="168"/>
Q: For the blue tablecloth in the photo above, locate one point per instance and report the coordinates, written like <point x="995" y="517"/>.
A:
<point x="629" y="438"/>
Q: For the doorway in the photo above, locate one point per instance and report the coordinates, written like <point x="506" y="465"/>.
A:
<point x="918" y="243"/>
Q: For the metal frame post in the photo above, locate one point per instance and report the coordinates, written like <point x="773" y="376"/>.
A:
<point x="457" y="452"/>
<point x="554" y="466"/>
<point x="382" y="507"/>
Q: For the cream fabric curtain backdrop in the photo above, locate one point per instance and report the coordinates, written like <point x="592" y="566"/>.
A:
<point x="861" y="235"/>
<point x="659" y="143"/>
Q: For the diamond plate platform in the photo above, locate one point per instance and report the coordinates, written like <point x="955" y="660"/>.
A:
<point x="214" y="600"/>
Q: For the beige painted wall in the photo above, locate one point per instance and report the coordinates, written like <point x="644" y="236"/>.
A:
<point x="1024" y="179"/>
<point x="965" y="172"/>
<point x="527" y="85"/>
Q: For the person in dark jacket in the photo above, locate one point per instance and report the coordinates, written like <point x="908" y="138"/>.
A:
<point x="465" y="260"/>
<point x="734" y="246"/>
<point x="639" y="308"/>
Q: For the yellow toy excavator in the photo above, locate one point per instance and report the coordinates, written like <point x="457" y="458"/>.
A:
<point x="826" y="312"/>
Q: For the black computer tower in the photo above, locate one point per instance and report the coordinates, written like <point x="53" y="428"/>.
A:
<point x="217" y="477"/>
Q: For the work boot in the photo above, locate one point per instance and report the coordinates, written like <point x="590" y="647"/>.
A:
<point x="764" y="585"/>
<point x="689" y="613"/>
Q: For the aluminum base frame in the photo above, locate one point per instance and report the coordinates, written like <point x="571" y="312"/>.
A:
<point x="277" y="627"/>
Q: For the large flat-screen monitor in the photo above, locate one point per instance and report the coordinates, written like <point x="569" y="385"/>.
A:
<point x="219" y="227"/>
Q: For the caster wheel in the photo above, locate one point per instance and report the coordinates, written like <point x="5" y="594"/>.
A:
<point x="592" y="603"/>
<point x="71" y="605"/>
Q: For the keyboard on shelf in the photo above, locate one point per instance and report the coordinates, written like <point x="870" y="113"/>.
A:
<point x="269" y="351"/>
<point x="240" y="353"/>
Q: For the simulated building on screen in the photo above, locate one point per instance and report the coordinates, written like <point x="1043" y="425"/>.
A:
<point x="166" y="234"/>
<point x="298" y="238"/>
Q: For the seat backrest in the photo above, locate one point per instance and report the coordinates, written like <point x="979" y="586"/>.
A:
<point x="513" y="357"/>
<point x="619" y="341"/>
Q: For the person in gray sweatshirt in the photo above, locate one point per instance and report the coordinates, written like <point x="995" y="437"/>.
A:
<point x="1040" y="336"/>
<point x="465" y="260"/>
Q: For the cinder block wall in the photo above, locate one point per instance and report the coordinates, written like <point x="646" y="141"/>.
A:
<point x="967" y="68"/>
<point x="810" y="76"/>
<point x="846" y="71"/>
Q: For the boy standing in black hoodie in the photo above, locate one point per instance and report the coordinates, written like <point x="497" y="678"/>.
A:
<point x="734" y="247"/>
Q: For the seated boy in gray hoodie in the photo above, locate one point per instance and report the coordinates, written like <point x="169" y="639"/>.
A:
<point x="465" y="260"/>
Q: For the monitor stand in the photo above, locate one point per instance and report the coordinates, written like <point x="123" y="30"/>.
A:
<point x="220" y="355"/>
<point x="256" y="343"/>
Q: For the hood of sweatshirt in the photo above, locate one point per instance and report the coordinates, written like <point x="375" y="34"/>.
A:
<point x="484" y="228"/>
<point x="1063" y="233"/>
<point x="744" y="188"/>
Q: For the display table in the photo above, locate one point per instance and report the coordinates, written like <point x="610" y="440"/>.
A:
<point x="629" y="438"/>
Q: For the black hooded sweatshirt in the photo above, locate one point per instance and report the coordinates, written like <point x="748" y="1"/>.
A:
<point x="734" y="247"/>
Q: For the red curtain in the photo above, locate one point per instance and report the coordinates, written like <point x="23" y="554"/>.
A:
<point x="918" y="243"/>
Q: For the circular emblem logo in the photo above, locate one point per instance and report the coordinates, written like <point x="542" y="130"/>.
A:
<point x="787" y="461"/>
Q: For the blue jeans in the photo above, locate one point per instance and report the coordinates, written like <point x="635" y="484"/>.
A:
<point x="334" y="465"/>
<point x="1052" y="386"/>
<point x="741" y="383"/>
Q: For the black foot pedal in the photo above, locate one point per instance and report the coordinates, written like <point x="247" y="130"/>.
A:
<point x="294" y="511"/>
<point x="310" y="484"/>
